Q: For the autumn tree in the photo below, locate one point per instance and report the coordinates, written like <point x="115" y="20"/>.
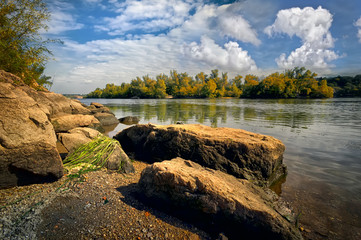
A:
<point x="23" y="51"/>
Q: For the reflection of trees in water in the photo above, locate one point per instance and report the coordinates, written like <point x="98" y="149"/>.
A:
<point x="291" y="113"/>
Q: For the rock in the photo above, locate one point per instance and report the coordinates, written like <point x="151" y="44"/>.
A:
<point x="28" y="152"/>
<point x="129" y="120"/>
<point x="76" y="137"/>
<point x="106" y="119"/>
<point x="67" y="122"/>
<point x="98" y="108"/>
<point x="97" y="105"/>
<point x="120" y="159"/>
<point x="240" y="153"/>
<point x="220" y="201"/>
<point x="57" y="104"/>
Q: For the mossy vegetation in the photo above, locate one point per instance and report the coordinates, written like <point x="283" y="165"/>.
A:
<point x="89" y="157"/>
<point x="92" y="155"/>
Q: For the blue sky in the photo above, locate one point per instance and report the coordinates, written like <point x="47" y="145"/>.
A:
<point x="113" y="41"/>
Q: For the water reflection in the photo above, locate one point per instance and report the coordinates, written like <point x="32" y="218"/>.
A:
<point x="216" y="112"/>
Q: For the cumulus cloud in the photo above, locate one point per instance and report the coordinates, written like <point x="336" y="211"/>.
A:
<point x="237" y="27"/>
<point x="312" y="27"/>
<point x="62" y="21"/>
<point x="216" y="22"/>
<point x="231" y="57"/>
<point x="140" y="49"/>
<point x="358" y="25"/>
<point x="146" y="15"/>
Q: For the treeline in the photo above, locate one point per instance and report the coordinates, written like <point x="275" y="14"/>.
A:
<point x="294" y="83"/>
<point x="346" y="86"/>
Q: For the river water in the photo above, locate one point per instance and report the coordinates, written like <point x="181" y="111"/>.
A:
<point x="323" y="149"/>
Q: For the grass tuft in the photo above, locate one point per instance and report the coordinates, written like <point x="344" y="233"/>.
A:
<point x="89" y="157"/>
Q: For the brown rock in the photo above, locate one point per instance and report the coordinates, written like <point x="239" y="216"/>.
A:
<point x="56" y="104"/>
<point x="28" y="152"/>
<point x="222" y="202"/>
<point x="106" y="119"/>
<point x="129" y="120"/>
<point x="97" y="105"/>
<point x="240" y="153"/>
<point x="76" y="137"/>
<point x="98" y="108"/>
<point x="119" y="159"/>
<point x="67" y="122"/>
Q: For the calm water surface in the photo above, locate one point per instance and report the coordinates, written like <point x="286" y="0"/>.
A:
<point x="323" y="147"/>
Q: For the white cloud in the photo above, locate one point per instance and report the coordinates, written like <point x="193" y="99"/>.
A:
<point x="62" y="21"/>
<point x="312" y="27"/>
<point x="231" y="57"/>
<point x="216" y="22"/>
<point x="232" y="24"/>
<point x="238" y="28"/>
<point x="146" y="15"/>
<point x="358" y="25"/>
<point x="92" y="64"/>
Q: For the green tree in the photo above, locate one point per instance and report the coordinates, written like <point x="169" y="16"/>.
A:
<point x="23" y="51"/>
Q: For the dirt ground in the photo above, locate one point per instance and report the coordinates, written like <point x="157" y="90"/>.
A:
<point x="104" y="206"/>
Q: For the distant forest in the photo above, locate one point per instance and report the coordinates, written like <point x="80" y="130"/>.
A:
<point x="295" y="83"/>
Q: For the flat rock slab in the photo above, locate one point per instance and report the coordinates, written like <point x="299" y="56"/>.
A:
<point x="237" y="207"/>
<point x="238" y="152"/>
<point x="67" y="122"/>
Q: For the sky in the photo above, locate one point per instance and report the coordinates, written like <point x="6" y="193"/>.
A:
<point x="114" y="41"/>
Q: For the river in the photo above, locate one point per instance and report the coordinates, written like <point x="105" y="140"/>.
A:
<point x="323" y="149"/>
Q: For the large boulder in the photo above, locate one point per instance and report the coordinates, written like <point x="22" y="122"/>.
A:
<point x="56" y="104"/>
<point x="219" y="201"/>
<point x="240" y="153"/>
<point x="28" y="152"/>
<point x="67" y="122"/>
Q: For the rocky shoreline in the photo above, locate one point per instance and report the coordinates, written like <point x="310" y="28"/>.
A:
<point x="39" y="128"/>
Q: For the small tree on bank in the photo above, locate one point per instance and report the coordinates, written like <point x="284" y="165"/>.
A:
<point x="23" y="51"/>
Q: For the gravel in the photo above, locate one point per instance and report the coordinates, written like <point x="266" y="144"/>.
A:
<point x="104" y="206"/>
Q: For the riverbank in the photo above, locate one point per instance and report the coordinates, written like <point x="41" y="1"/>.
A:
<point x="104" y="206"/>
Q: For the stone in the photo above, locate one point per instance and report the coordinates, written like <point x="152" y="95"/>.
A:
<point x="28" y="152"/>
<point x="119" y="159"/>
<point x="238" y="152"/>
<point x="106" y="119"/>
<point x="97" y="105"/>
<point x="67" y="122"/>
<point x="76" y="137"/>
<point x="129" y="120"/>
<point x="98" y="108"/>
<point x="218" y="200"/>
<point x="56" y="104"/>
